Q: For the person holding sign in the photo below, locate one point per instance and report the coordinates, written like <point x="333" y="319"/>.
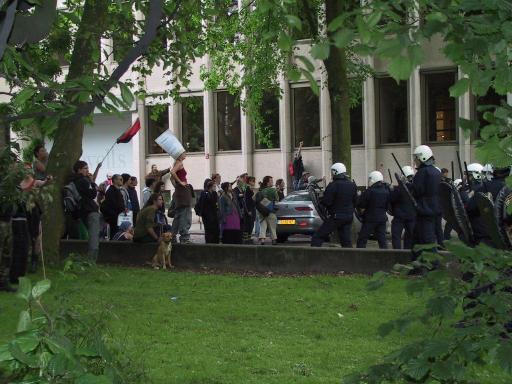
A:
<point x="183" y="198"/>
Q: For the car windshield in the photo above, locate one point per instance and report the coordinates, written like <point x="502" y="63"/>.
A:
<point x="297" y="197"/>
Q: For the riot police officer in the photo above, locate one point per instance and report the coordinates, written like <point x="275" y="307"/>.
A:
<point x="404" y="213"/>
<point x="374" y="203"/>
<point x="339" y="198"/>
<point x="494" y="180"/>
<point x="476" y="185"/>
<point x="425" y="189"/>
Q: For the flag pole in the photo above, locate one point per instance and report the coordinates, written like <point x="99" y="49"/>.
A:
<point x="110" y="150"/>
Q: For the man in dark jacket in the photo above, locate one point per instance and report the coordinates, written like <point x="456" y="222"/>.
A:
<point x="404" y="213"/>
<point x="339" y="198"/>
<point x="134" y="197"/>
<point x="89" y="213"/>
<point x="425" y="189"/>
<point x="374" y="202"/>
<point x="113" y="205"/>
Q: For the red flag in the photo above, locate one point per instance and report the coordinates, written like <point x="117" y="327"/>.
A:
<point x="132" y="131"/>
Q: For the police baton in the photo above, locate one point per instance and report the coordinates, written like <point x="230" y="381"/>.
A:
<point x="390" y="177"/>
<point x="402" y="184"/>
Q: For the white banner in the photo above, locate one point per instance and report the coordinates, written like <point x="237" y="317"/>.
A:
<point x="170" y="144"/>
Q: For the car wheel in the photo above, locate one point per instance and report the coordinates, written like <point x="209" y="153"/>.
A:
<point x="282" y="238"/>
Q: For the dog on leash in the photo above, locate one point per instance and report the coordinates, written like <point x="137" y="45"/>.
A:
<point x="162" y="256"/>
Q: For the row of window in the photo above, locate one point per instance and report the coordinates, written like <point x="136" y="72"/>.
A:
<point x="439" y="112"/>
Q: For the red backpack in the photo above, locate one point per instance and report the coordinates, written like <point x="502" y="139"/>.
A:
<point x="290" y="168"/>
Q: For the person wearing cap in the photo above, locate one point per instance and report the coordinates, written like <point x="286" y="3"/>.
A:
<point x="374" y="202"/>
<point x="425" y="189"/>
<point x="340" y="198"/>
<point x="125" y="232"/>
<point x="404" y="214"/>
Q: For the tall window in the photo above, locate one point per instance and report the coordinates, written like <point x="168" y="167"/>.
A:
<point x="267" y="136"/>
<point x="229" y="132"/>
<point x="391" y="110"/>
<point x="158" y="123"/>
<point x="192" y="123"/>
<point x="306" y="117"/>
<point x="356" y="124"/>
<point x="440" y="111"/>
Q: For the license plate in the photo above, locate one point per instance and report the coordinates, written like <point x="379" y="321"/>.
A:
<point x="286" y="222"/>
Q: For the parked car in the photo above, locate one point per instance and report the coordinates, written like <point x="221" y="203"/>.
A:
<point x="296" y="215"/>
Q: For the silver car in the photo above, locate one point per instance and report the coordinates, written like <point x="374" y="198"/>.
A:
<point x="296" y="215"/>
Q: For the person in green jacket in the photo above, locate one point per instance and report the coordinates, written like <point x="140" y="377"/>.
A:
<point x="266" y="199"/>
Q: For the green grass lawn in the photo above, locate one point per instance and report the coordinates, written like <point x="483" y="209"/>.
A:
<point x="233" y="329"/>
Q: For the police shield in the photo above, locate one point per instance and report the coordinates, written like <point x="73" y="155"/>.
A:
<point x="503" y="201"/>
<point x="487" y="213"/>
<point x="454" y="212"/>
<point x="314" y="194"/>
<point x="402" y="185"/>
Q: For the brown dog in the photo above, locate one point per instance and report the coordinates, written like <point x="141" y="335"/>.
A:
<point x="162" y="257"/>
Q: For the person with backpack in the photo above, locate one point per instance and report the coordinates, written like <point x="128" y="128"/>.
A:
<point x="113" y="205"/>
<point x="265" y="202"/>
<point x="207" y="208"/>
<point x="87" y="210"/>
<point x="249" y="209"/>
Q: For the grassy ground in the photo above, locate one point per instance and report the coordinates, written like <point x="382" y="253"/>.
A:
<point x="205" y="329"/>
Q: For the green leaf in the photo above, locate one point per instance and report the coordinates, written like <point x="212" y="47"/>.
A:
<point x="503" y="355"/>
<point x="373" y="19"/>
<point x="312" y="82"/>
<point x="5" y="355"/>
<point x="469" y="125"/>
<point x="58" y="364"/>
<point x="40" y="288"/>
<point x="89" y="378"/>
<point x="22" y="97"/>
<point x="336" y="23"/>
<point x="307" y="63"/>
<point x="362" y="29"/>
<point x="436" y="16"/>
<point x="389" y="48"/>
<point x="293" y="74"/>
<point x="285" y="42"/>
<point x="294" y="22"/>
<point x="60" y="344"/>
<point x="126" y="94"/>
<point x="321" y="50"/>
<point x="459" y="88"/>
<point x="21" y="356"/>
<point x="24" y="321"/>
<point x="28" y="341"/>
<point x="417" y="369"/>
<point x="400" y="68"/>
<point x="24" y="288"/>
<point x="343" y="37"/>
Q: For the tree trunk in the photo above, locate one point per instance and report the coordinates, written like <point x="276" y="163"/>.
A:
<point x="338" y="86"/>
<point x="67" y="146"/>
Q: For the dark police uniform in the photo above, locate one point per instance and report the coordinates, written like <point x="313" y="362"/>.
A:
<point x="339" y="197"/>
<point x="425" y="189"/>
<point x="478" y="225"/>
<point x="375" y="201"/>
<point x="404" y="218"/>
<point x="493" y="186"/>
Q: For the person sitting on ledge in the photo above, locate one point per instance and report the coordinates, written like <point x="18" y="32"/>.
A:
<point x="146" y="228"/>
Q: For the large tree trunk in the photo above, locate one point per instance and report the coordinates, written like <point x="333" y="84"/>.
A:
<point x="67" y="146"/>
<point x="338" y="86"/>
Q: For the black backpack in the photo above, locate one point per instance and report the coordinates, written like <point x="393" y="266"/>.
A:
<point x="198" y="208"/>
<point x="72" y="200"/>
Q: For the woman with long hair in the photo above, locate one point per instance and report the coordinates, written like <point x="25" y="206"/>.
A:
<point x="230" y="216"/>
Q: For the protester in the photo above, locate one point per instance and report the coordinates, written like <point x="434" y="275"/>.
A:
<point x="134" y="197"/>
<point x="265" y="204"/>
<point x="216" y="178"/>
<point x="183" y="199"/>
<point x="303" y="181"/>
<point x="102" y="188"/>
<point x="210" y="212"/>
<point x="148" y="190"/>
<point x="146" y="228"/>
<point x="40" y="162"/>
<point x="298" y="167"/>
<point x="89" y="213"/>
<point x="113" y="205"/>
<point x="125" y="232"/>
<point x="230" y="216"/>
<point x="280" y="187"/>
<point x="156" y="174"/>
<point x="249" y="209"/>
<point x="124" y="191"/>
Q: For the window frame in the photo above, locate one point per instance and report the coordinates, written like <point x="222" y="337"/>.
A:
<point x="304" y="84"/>
<point x="180" y="118"/>
<point x="216" y="127"/>
<point x="378" y="128"/>
<point x="147" y="119"/>
<point x="424" y="105"/>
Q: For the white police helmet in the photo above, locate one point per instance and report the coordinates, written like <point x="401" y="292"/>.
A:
<point x="374" y="177"/>
<point x="338" y="169"/>
<point x="423" y="153"/>
<point x="475" y="170"/>
<point x="457" y="182"/>
<point x="488" y="171"/>
<point x="407" y="170"/>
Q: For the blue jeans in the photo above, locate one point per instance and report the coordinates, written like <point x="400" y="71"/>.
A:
<point x="181" y="223"/>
